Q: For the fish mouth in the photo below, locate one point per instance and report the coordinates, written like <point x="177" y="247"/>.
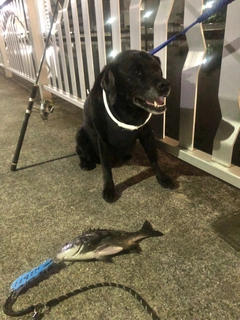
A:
<point x="156" y="106"/>
<point x="68" y="251"/>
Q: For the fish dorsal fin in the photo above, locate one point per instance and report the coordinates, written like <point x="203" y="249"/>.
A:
<point x="95" y="230"/>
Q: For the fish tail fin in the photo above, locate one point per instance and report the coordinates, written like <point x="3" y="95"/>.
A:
<point x="148" y="230"/>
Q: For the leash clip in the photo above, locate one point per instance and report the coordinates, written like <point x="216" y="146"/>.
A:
<point x="38" y="311"/>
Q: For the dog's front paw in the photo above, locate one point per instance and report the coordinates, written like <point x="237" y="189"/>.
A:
<point x="166" y="182"/>
<point x="109" y="194"/>
<point x="87" y="165"/>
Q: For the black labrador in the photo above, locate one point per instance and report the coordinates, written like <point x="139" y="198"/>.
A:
<point x="124" y="96"/>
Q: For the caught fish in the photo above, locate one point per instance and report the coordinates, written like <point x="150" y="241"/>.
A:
<point x="100" y="244"/>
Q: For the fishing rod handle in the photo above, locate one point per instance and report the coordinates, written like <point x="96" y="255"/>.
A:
<point x="24" y="127"/>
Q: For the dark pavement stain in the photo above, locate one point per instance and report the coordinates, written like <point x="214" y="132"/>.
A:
<point x="228" y="228"/>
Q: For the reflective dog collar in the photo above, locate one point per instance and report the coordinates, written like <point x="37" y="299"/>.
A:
<point x="122" y="124"/>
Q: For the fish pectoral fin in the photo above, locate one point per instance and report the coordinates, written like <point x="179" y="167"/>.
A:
<point x="108" y="251"/>
<point x="107" y="259"/>
<point x="135" y="247"/>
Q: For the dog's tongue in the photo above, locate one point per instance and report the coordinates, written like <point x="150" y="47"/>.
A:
<point x="158" y="102"/>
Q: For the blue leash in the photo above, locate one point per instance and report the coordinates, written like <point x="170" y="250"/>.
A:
<point x="222" y="4"/>
<point x="27" y="278"/>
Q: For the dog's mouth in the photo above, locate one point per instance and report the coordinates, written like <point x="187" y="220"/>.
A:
<point x="156" y="106"/>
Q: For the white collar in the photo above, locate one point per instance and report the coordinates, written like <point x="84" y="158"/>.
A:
<point x="122" y="124"/>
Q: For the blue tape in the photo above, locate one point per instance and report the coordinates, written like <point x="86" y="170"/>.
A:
<point x="25" y="278"/>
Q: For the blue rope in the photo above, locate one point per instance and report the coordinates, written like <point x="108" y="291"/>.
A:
<point x="222" y="4"/>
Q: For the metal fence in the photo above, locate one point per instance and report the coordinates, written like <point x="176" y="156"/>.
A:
<point x="87" y="34"/>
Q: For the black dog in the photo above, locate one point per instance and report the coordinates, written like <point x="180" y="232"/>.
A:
<point x="116" y="112"/>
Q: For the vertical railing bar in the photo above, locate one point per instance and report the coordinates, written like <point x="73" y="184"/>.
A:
<point x="3" y="60"/>
<point x="3" y="49"/>
<point x="161" y="31"/>
<point x="229" y="90"/>
<point x="32" y="68"/>
<point x="9" y="42"/>
<point x="53" y="71"/>
<point x="55" y="50"/>
<point x="6" y="39"/>
<point x="17" y="40"/>
<point x="78" y="49"/>
<point x="22" y="51"/>
<point x="9" y="47"/>
<point x="160" y="36"/>
<point x="116" y="30"/>
<point x="62" y="54"/>
<point x="12" y="37"/>
<point x="135" y="24"/>
<point x="100" y="33"/>
<point x="16" y="43"/>
<point x="26" y="46"/>
<point x="28" y="65"/>
<point x="88" y="42"/>
<point x="37" y="39"/>
<point x="13" y="42"/>
<point x="69" y="48"/>
<point x="190" y="74"/>
<point x="31" y="56"/>
<point x="22" y="44"/>
<point x="54" y="42"/>
<point x="49" y="51"/>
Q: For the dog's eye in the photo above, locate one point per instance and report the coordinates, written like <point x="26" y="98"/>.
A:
<point x="159" y="72"/>
<point x="138" y="72"/>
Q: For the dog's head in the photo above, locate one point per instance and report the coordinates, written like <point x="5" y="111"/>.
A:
<point x="136" y="76"/>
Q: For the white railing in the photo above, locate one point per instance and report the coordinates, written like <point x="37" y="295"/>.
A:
<point x="86" y="34"/>
<point x="220" y="162"/>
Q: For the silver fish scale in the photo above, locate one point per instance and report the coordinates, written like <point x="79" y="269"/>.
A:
<point x="92" y="234"/>
<point x="85" y="237"/>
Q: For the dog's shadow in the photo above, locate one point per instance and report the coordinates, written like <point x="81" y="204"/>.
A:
<point x="171" y="165"/>
<point x="121" y="187"/>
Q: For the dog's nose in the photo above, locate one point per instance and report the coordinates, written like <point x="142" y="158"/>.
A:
<point x="164" y="85"/>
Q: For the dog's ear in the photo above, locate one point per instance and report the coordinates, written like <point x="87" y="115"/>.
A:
<point x="157" y="59"/>
<point x="108" y="84"/>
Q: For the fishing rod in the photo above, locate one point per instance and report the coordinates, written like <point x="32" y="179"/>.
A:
<point x="32" y="97"/>
<point x="220" y="5"/>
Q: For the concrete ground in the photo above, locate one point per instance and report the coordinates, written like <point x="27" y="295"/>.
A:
<point x="190" y="273"/>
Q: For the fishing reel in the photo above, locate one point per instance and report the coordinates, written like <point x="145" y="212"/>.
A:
<point x="46" y="107"/>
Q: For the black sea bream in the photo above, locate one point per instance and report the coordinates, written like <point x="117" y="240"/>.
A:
<point x="100" y="244"/>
